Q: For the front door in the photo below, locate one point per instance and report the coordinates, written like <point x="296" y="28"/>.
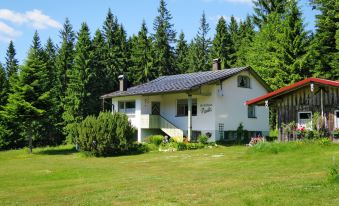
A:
<point x="155" y="108"/>
<point x="336" y="120"/>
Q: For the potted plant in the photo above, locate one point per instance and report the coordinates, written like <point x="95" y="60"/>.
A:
<point x="300" y="132"/>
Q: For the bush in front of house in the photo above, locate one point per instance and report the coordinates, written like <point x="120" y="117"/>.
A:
<point x="203" y="139"/>
<point x="155" y="139"/>
<point x="107" y="134"/>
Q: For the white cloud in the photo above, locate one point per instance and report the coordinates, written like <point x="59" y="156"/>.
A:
<point x="232" y="1"/>
<point x="215" y="19"/>
<point x="7" y="33"/>
<point x="34" y="18"/>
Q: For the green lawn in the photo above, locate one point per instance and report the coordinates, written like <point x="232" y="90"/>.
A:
<point x="220" y="176"/>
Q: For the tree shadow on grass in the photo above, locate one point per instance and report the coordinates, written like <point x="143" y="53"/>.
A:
<point x="57" y="151"/>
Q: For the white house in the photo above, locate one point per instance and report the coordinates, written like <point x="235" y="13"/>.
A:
<point x="209" y="103"/>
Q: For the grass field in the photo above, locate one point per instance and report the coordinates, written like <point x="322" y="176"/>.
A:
<point x="234" y="175"/>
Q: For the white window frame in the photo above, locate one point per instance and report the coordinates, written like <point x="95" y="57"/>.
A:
<point x="255" y="112"/>
<point x="196" y="104"/>
<point x="124" y="110"/>
<point x="336" y="122"/>
<point x="309" y="127"/>
<point x="246" y="77"/>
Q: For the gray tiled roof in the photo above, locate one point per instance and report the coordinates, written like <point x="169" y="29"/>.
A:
<point x="177" y="83"/>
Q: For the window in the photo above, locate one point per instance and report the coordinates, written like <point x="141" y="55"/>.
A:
<point x="305" y="120"/>
<point x="182" y="107"/>
<point x="336" y="119"/>
<point x="251" y="112"/>
<point x="244" y="81"/>
<point x="127" y="107"/>
<point x="221" y="131"/>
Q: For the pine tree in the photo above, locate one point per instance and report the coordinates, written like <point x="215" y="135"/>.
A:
<point x="27" y="105"/>
<point x="101" y="79"/>
<point x="262" y="8"/>
<point x="64" y="63"/>
<point x="77" y="98"/>
<point x="246" y="35"/>
<point x="181" y="54"/>
<point x="53" y="128"/>
<point x="3" y="86"/>
<point x="163" y="38"/>
<point x="234" y="35"/>
<point x="110" y="32"/>
<point x="200" y="48"/>
<point x="11" y="61"/>
<point x="142" y="57"/>
<point x="222" y="43"/>
<point x="324" y="45"/>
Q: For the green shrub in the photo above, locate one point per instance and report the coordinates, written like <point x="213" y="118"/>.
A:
<point x="152" y="147"/>
<point x="170" y="146"/>
<point x="105" y="135"/>
<point x="193" y="146"/>
<point x="203" y="139"/>
<point x="155" y="139"/>
<point x="182" y="146"/>
<point x="324" y="141"/>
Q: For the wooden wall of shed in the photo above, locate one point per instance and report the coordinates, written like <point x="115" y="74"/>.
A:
<point x="303" y="100"/>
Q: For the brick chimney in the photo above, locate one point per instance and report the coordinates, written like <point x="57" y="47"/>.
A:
<point x="122" y="83"/>
<point x="216" y="64"/>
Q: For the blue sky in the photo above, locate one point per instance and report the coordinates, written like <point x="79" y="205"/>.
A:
<point x="20" y="18"/>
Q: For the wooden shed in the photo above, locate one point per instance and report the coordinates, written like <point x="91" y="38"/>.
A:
<point x="300" y="101"/>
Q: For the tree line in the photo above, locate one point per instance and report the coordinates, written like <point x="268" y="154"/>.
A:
<point x="58" y="85"/>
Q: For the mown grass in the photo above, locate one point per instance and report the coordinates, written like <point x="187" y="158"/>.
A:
<point x="237" y="175"/>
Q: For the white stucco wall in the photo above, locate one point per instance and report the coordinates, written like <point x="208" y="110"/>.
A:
<point x="228" y="108"/>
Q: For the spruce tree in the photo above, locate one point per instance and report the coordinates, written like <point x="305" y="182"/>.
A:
<point x="164" y="37"/>
<point x="234" y="36"/>
<point x="246" y="35"/>
<point x="65" y="56"/>
<point x="30" y="99"/>
<point x="101" y="78"/>
<point x="222" y="43"/>
<point x="11" y="61"/>
<point x="111" y="32"/>
<point x="325" y="45"/>
<point x="77" y="99"/>
<point x="3" y="86"/>
<point x="201" y="47"/>
<point x="142" y="57"/>
<point x="262" y="8"/>
<point x="181" y="54"/>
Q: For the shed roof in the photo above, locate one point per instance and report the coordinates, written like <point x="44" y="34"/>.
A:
<point x="292" y="87"/>
<point x="181" y="82"/>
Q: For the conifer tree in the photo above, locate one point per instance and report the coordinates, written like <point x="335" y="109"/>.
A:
<point x="163" y="38"/>
<point x="101" y="79"/>
<point x="200" y="48"/>
<point x="234" y="36"/>
<point x="181" y="54"/>
<point x="77" y="98"/>
<point x="142" y="57"/>
<point x="222" y="43"/>
<point x="262" y="8"/>
<point x="246" y="35"/>
<point x="11" y="61"/>
<point x="65" y="56"/>
<point x="3" y="85"/>
<point x="110" y="32"/>
<point x="325" y="45"/>
<point x="27" y="105"/>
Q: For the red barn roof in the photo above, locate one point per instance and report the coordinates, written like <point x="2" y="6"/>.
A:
<point x="292" y="87"/>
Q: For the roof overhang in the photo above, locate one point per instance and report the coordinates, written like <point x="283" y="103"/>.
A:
<point x="290" y="88"/>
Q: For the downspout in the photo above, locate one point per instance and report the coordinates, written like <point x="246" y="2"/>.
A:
<point x="189" y="132"/>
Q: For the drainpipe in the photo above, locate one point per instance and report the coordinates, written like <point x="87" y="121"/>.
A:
<point x="103" y="104"/>
<point x="322" y="102"/>
<point x="189" y="133"/>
